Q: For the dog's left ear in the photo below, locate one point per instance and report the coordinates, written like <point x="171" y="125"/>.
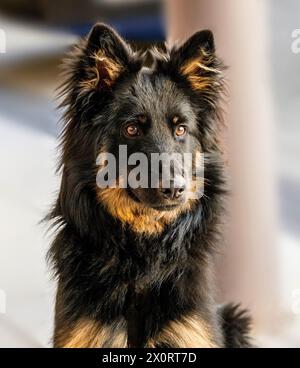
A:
<point x="107" y="57"/>
<point x="197" y="62"/>
<point x="199" y="43"/>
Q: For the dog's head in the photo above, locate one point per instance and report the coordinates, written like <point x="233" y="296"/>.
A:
<point x="131" y="129"/>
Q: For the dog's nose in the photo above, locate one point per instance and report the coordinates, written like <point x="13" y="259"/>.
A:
<point x="174" y="191"/>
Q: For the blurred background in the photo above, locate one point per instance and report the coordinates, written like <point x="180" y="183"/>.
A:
<point x="260" y="263"/>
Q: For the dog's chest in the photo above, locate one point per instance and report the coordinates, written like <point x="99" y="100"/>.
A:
<point x="136" y="312"/>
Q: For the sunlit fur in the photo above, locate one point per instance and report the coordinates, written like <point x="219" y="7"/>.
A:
<point x="102" y="74"/>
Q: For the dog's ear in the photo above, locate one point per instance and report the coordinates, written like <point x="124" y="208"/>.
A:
<point x="107" y="57"/>
<point x="196" y="61"/>
<point x="200" y="42"/>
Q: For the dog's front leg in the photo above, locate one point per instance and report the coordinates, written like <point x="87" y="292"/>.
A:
<point x="86" y="333"/>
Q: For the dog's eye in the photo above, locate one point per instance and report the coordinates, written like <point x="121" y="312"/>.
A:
<point x="180" y="130"/>
<point x="131" y="131"/>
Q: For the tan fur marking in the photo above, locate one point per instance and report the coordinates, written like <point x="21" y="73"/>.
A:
<point x="191" y="71"/>
<point x="91" y="334"/>
<point x="175" y="119"/>
<point x="188" y="332"/>
<point x="102" y="64"/>
<point x="142" y="119"/>
<point x="142" y="219"/>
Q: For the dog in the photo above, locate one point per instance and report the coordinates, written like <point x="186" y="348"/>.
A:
<point x="134" y="264"/>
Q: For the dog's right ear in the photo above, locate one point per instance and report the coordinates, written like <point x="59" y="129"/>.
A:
<point x="106" y="57"/>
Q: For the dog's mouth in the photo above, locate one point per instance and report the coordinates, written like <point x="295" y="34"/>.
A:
<point x="141" y="209"/>
<point x="169" y="207"/>
<point x="153" y="203"/>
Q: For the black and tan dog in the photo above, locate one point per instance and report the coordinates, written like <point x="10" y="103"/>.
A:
<point x="134" y="264"/>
